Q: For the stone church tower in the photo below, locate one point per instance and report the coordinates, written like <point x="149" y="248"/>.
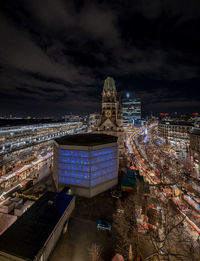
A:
<point x="110" y="120"/>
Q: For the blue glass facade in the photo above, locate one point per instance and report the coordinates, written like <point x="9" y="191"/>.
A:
<point x="131" y="108"/>
<point x="87" y="168"/>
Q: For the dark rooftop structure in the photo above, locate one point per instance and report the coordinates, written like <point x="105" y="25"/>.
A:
<point x="28" y="234"/>
<point x="86" y="139"/>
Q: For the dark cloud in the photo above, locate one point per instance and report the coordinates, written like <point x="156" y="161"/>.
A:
<point x="54" y="55"/>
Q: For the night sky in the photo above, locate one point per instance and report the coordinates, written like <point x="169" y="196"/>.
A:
<point x="55" y="54"/>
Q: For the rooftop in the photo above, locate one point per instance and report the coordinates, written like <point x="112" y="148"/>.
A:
<point x="6" y="220"/>
<point x="86" y="139"/>
<point x="29" y="233"/>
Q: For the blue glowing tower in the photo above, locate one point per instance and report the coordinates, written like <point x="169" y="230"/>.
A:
<point x="88" y="163"/>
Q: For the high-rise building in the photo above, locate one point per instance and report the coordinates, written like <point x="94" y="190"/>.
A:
<point x="110" y="120"/>
<point x="131" y="108"/>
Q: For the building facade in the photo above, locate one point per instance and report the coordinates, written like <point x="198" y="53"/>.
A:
<point x="87" y="163"/>
<point x="175" y="131"/>
<point x="178" y="135"/>
<point x="195" y="151"/>
<point x="131" y="108"/>
<point x="110" y="120"/>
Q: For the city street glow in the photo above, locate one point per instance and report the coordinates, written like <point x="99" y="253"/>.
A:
<point x="158" y="162"/>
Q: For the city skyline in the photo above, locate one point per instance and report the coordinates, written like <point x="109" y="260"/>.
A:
<point x="55" y="56"/>
<point x="99" y="130"/>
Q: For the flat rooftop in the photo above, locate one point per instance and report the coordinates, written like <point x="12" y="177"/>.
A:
<point x="29" y="233"/>
<point x="86" y="139"/>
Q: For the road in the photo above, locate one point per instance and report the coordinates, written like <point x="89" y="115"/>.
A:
<point x="149" y="168"/>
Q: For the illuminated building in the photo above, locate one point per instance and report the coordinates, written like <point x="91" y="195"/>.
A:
<point x="178" y="134"/>
<point x="195" y="151"/>
<point x="109" y="121"/>
<point x="175" y="131"/>
<point x="19" y="137"/>
<point x="87" y="163"/>
<point x="131" y="108"/>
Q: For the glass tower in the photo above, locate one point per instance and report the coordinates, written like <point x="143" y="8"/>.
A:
<point x="131" y="108"/>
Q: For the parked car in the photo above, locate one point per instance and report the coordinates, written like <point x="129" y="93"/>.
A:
<point x="103" y="225"/>
<point x="162" y="251"/>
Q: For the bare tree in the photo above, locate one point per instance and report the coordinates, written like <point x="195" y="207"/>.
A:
<point x="169" y="240"/>
<point x="124" y="223"/>
<point x="95" y="252"/>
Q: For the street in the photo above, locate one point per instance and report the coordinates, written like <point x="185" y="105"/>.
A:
<point x="160" y="168"/>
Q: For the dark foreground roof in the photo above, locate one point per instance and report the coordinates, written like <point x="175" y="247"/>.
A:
<point x="86" y="139"/>
<point x="30" y="232"/>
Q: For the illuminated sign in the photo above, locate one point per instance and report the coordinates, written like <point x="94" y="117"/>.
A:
<point x="163" y="114"/>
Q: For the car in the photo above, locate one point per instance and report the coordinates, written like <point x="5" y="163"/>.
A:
<point x="162" y="251"/>
<point x="103" y="225"/>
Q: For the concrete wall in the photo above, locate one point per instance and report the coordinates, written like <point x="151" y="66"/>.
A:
<point x="93" y="191"/>
<point x="103" y="187"/>
<point x="7" y="257"/>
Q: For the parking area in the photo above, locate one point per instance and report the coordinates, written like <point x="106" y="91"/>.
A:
<point x="82" y="230"/>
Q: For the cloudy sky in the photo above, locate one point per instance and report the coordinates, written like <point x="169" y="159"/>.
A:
<point x="55" y="54"/>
